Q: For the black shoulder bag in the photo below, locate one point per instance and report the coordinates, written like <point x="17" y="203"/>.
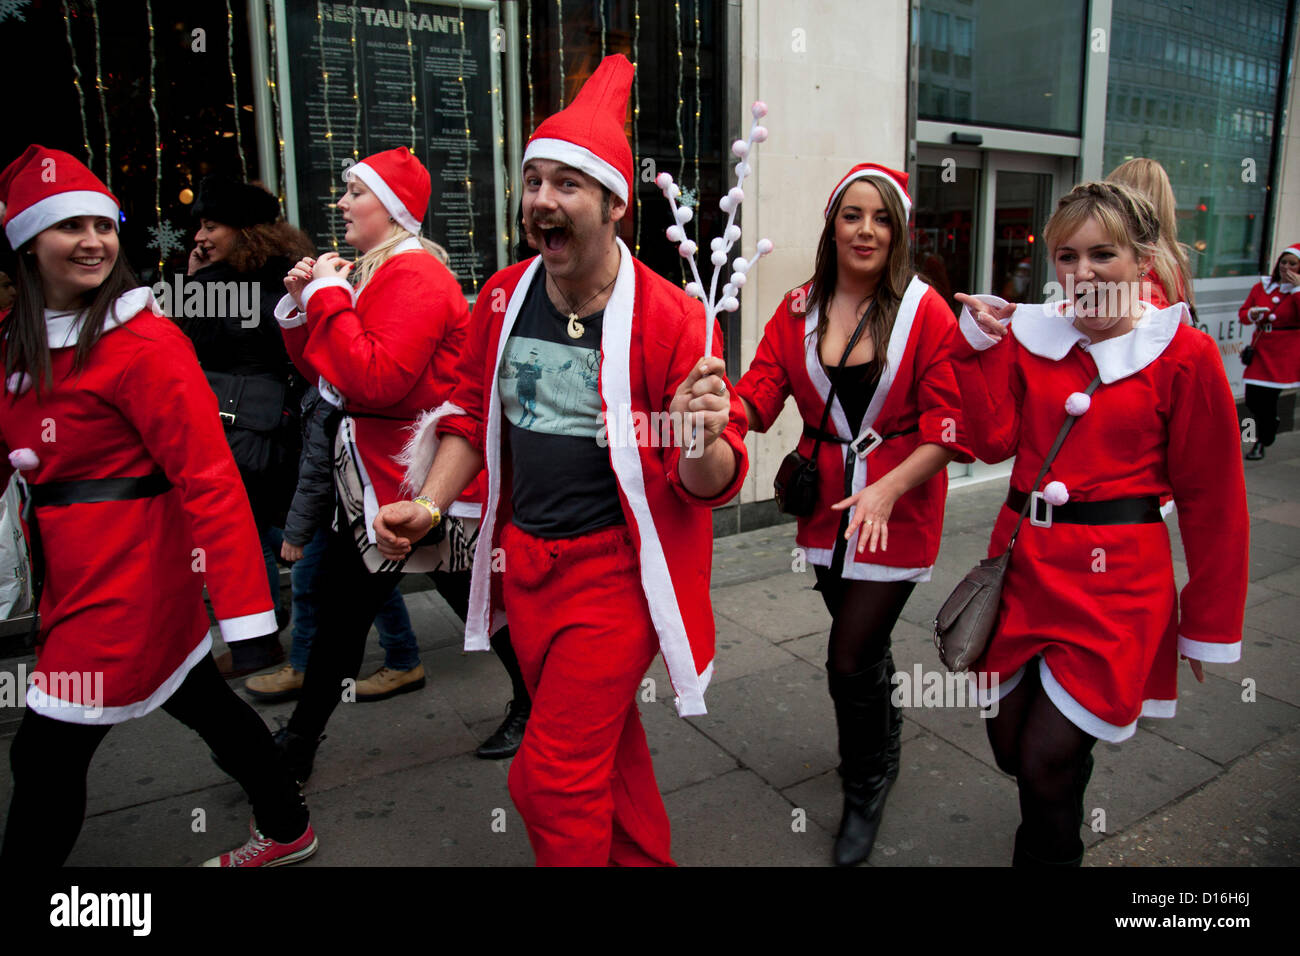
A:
<point x="796" y="480"/>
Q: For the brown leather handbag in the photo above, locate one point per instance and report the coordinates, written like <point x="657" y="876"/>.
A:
<point x="965" y="622"/>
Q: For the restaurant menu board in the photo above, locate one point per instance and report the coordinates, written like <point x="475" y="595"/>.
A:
<point x="402" y="48"/>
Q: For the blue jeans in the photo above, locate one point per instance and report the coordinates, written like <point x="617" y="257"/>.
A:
<point x="396" y="637"/>
<point x="271" y="538"/>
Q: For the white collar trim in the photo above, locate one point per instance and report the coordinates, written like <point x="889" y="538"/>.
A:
<point x="1270" y="286"/>
<point x="62" y="328"/>
<point x="1046" y="331"/>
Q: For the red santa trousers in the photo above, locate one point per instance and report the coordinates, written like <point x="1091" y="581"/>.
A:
<point x="580" y="626"/>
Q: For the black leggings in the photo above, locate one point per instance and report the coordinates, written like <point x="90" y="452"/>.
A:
<point x="1262" y="402"/>
<point x="864" y="614"/>
<point x="1048" y="755"/>
<point x="50" y="759"/>
<point x="349" y="597"/>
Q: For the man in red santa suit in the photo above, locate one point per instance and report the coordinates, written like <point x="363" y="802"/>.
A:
<point x="605" y="540"/>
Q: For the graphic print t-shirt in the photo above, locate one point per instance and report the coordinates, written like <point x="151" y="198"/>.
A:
<point x="549" y="385"/>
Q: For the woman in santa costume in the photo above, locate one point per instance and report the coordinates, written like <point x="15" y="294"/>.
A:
<point x="605" y="535"/>
<point x="382" y="352"/>
<point x="866" y="323"/>
<point x="1273" y="308"/>
<point x="1090" y="626"/>
<point x="134" y="503"/>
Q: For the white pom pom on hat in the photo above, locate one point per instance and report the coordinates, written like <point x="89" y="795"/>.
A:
<point x="1078" y="403"/>
<point x="1056" y="493"/>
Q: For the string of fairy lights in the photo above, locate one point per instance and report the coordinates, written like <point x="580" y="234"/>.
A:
<point x="234" y="88"/>
<point x="681" y="100"/>
<point x="103" y="109"/>
<point x="410" y="65"/>
<point x="559" y="36"/>
<point x="469" y="156"/>
<point x="329" y="128"/>
<point x="157" y="140"/>
<point x="602" y="29"/>
<point x="636" y="113"/>
<point x="76" y="82"/>
<point x="272" y="80"/>
<point x="356" y="93"/>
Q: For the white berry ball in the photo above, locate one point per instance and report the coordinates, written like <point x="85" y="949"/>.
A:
<point x="1056" y="493"/>
<point x="740" y="264"/>
<point x="759" y="109"/>
<point x="719" y="258"/>
<point x="728" y="290"/>
<point x="695" y="289"/>
<point x="664" y="180"/>
<point x="725" y="204"/>
<point x="740" y="148"/>
<point x="736" y="195"/>
<point x="684" y="214"/>
<point x="676" y="191"/>
<point x="675" y="234"/>
<point x="738" y="279"/>
<point x="764" y="246"/>
<point x="730" y="304"/>
<point x="742" y="170"/>
<point x="1078" y="403"/>
<point x="717" y="244"/>
<point x="760" y="134"/>
<point x="687" y="249"/>
<point x="732" y="233"/>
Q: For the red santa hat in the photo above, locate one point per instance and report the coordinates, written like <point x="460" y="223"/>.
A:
<point x="400" y="182"/>
<point x="43" y="187"/>
<point x="1293" y="249"/>
<point x="881" y="175"/>
<point x="588" y="133"/>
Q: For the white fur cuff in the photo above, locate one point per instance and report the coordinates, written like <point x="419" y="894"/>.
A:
<point x="422" y="447"/>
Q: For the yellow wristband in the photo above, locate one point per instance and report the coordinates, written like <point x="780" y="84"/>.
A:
<point x="427" y="503"/>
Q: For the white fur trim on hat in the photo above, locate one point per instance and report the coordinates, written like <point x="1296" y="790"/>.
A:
<point x="878" y="176"/>
<point x="396" y="208"/>
<point x="39" y="216"/>
<point x="580" y="158"/>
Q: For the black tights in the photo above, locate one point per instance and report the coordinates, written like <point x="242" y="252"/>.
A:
<point x="50" y="759"/>
<point x="1049" y="757"/>
<point x="349" y="596"/>
<point x="1262" y="402"/>
<point x="864" y="614"/>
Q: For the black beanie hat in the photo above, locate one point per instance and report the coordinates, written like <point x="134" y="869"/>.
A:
<point x="235" y="204"/>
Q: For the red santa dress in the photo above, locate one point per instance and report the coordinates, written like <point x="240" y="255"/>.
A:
<point x="123" y="593"/>
<point x="1097" y="604"/>
<point x="1277" y="352"/>
<point x="916" y="400"/>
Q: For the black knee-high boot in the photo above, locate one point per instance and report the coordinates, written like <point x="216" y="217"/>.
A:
<point x="863" y="716"/>
<point x="895" y="722"/>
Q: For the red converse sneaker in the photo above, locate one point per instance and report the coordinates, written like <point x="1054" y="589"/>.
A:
<point x="263" y="851"/>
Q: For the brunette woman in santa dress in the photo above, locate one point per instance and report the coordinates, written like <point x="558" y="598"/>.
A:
<point x="895" y="424"/>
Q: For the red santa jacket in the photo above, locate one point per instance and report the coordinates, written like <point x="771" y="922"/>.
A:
<point x="1098" y="601"/>
<point x="652" y="334"/>
<point x="917" y="389"/>
<point x="124" y="580"/>
<point x="1278" y="298"/>
<point x="391" y="350"/>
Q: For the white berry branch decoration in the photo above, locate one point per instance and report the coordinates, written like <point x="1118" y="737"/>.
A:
<point x="721" y="246"/>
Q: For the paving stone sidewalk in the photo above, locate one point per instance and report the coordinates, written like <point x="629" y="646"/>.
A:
<point x="753" y="782"/>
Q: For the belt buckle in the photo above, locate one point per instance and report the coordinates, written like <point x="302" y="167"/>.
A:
<point x="868" y="442"/>
<point x="1034" y="499"/>
<point x="227" y="417"/>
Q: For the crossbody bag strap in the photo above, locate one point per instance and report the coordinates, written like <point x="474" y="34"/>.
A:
<point x="830" y="397"/>
<point x="1047" y="463"/>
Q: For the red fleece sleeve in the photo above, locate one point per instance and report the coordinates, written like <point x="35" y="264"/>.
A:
<point x="766" y="385"/>
<point x="938" y="398"/>
<point x="991" y="389"/>
<point x="377" y="356"/>
<point x="163" y="394"/>
<point x="472" y="369"/>
<point x="1209" y="486"/>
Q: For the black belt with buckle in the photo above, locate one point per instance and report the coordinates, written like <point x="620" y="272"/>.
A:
<point x="862" y="446"/>
<point x="85" y="491"/>
<point x="1141" y="510"/>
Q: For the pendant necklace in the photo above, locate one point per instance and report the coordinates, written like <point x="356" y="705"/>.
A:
<point x="576" y="328"/>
